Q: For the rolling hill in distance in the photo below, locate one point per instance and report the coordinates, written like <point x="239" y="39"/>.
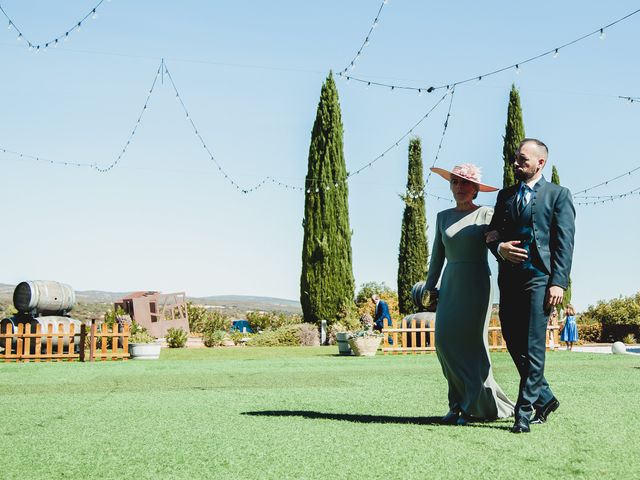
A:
<point x="231" y="303"/>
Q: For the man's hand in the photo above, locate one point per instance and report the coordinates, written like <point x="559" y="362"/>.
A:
<point x="511" y="253"/>
<point x="554" y="295"/>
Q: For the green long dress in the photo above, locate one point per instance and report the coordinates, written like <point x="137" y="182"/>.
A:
<point x="463" y="313"/>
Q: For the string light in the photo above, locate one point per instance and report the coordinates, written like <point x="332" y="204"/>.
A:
<point x="599" y="199"/>
<point x="395" y="144"/>
<point x="45" y="160"/>
<point x="630" y="99"/>
<point x="54" y="41"/>
<point x="606" y="182"/>
<point x="444" y="132"/>
<point x="203" y="143"/>
<point x="135" y="127"/>
<point x="517" y="65"/>
<point x="352" y="64"/>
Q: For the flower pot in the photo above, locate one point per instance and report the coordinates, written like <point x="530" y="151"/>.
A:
<point x="343" y="343"/>
<point x="144" y="351"/>
<point x="365" y="346"/>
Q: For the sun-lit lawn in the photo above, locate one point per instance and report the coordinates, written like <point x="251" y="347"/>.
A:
<point x="305" y="413"/>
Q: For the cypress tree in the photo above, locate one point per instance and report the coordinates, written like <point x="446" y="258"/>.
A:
<point x="414" y="248"/>
<point x="513" y="135"/>
<point x="566" y="299"/>
<point x="326" y="283"/>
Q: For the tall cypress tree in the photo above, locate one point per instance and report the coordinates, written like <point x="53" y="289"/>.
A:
<point x="566" y="299"/>
<point x="414" y="247"/>
<point x="326" y="283"/>
<point x="513" y="135"/>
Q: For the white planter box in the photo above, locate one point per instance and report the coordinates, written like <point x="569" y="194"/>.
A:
<point x="144" y="351"/>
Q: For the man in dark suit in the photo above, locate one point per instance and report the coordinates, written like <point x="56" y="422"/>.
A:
<point x="535" y="225"/>
<point x="382" y="312"/>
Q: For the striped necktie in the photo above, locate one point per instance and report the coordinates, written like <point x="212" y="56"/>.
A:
<point x="522" y="201"/>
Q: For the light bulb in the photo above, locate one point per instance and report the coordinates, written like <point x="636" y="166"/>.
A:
<point x="94" y="15"/>
<point x="518" y="69"/>
<point x="19" y="37"/>
<point x="556" y="54"/>
<point x="78" y="26"/>
<point x="10" y="26"/>
<point x="375" y="23"/>
<point x="602" y="34"/>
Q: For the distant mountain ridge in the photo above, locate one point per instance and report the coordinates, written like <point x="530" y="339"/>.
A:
<point x="237" y="302"/>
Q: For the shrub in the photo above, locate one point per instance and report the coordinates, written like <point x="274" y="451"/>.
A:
<point x="141" y="336"/>
<point x="308" y="335"/>
<point x="213" y="338"/>
<point x="630" y="339"/>
<point x="237" y="336"/>
<point x="618" y="317"/>
<point x="216" y="321"/>
<point x="304" y="334"/>
<point x="197" y="315"/>
<point x="270" y="320"/>
<point x="589" y="332"/>
<point x="176" y="338"/>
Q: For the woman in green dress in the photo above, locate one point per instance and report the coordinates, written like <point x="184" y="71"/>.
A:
<point x="464" y="302"/>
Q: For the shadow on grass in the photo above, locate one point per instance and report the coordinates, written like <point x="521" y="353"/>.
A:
<point x="504" y="424"/>
<point x="348" y="417"/>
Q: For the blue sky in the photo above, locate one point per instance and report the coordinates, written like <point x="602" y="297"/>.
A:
<point x="250" y="74"/>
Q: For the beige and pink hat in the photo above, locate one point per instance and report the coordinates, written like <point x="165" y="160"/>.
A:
<point x="468" y="171"/>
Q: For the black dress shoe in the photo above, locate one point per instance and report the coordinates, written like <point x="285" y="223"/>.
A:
<point x="542" y="414"/>
<point x="450" y="418"/>
<point x="521" y="426"/>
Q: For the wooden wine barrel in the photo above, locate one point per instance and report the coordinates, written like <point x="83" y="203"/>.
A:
<point x="43" y="296"/>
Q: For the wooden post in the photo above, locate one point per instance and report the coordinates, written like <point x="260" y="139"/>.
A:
<point x="83" y="340"/>
<point x="92" y="339"/>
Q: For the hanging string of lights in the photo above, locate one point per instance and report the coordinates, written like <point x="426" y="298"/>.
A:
<point x="204" y="144"/>
<point x="46" y="160"/>
<point x="163" y="70"/>
<point x="444" y="132"/>
<point x="555" y="52"/>
<point x="630" y="99"/>
<point x="352" y="64"/>
<point x="135" y="127"/>
<point x="54" y="42"/>
<point x="599" y="199"/>
<point x="606" y="182"/>
<point x="397" y="142"/>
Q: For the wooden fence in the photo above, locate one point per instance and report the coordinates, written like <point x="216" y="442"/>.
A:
<point x="25" y="345"/>
<point x="421" y="339"/>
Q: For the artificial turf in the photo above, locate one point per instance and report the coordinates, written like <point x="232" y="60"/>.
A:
<point x="306" y="413"/>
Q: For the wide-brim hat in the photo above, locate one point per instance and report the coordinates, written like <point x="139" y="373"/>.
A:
<point x="469" y="172"/>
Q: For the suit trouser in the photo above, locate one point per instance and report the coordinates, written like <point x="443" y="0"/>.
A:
<point x="523" y="317"/>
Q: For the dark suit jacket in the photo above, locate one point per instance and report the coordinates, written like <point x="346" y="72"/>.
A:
<point x="553" y="222"/>
<point x="382" y="312"/>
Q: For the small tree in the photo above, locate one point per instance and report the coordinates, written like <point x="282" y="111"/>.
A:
<point x="513" y="135"/>
<point x="326" y="281"/>
<point x="414" y="248"/>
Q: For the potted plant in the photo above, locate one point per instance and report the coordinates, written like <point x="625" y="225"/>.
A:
<point x="366" y="341"/>
<point x="142" y="346"/>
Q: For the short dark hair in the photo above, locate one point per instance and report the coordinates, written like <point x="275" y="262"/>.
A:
<point x="539" y="143"/>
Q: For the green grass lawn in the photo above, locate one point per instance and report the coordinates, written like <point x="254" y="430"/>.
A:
<point x="306" y="413"/>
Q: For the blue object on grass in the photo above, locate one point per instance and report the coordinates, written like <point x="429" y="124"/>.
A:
<point x="241" y="326"/>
